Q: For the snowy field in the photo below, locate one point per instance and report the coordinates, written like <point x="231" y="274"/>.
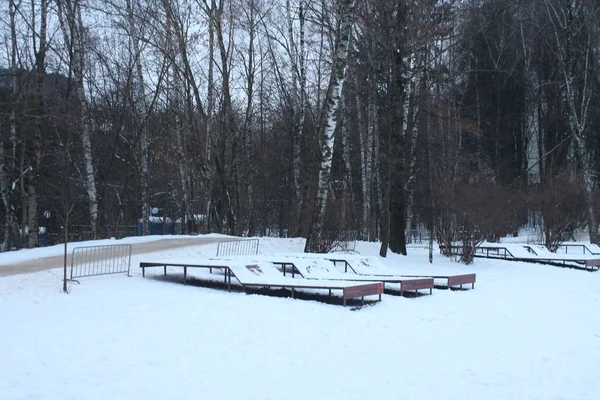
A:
<point x="526" y="332"/>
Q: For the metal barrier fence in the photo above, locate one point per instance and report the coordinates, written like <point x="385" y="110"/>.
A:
<point x="345" y="241"/>
<point x="100" y="260"/>
<point x="242" y="247"/>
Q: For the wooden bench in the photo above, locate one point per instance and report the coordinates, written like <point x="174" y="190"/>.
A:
<point x="407" y="285"/>
<point x="460" y="280"/>
<point x="348" y="291"/>
<point x="593" y="264"/>
<point x="361" y="291"/>
<point x="227" y="271"/>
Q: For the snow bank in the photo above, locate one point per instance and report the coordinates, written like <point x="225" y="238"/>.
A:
<point x="527" y="331"/>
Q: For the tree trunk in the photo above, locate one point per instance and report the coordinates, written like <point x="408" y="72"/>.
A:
<point x="332" y="101"/>
<point x="412" y="153"/>
<point x="302" y="105"/>
<point x="31" y="203"/>
<point x="210" y="107"/>
<point x="294" y="101"/>
<point x="141" y="110"/>
<point x="7" y="163"/>
<point x="228" y="126"/>
<point x="6" y="200"/>
<point x="85" y="124"/>
<point x="572" y="52"/>
<point x="176" y="94"/>
<point x="73" y="32"/>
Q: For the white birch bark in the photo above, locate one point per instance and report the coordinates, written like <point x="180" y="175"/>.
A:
<point x="176" y="90"/>
<point x="301" y="119"/>
<point x="72" y="30"/>
<point x="78" y="70"/>
<point x="211" y="79"/>
<point x="372" y="165"/>
<point x="567" y="21"/>
<point x="414" y="135"/>
<point x="13" y="85"/>
<point x="294" y="99"/>
<point x="534" y="141"/>
<point x="7" y="165"/>
<point x="332" y="102"/>
<point x="39" y="46"/>
<point x="4" y="193"/>
<point x="141" y="110"/>
<point x="532" y="129"/>
<point x="364" y="136"/>
<point x="347" y="179"/>
<point x="407" y="98"/>
<point x="210" y="106"/>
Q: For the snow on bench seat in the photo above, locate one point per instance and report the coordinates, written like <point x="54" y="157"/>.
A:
<point x="265" y="275"/>
<point x="372" y="266"/>
<point x="317" y="268"/>
<point x="536" y="253"/>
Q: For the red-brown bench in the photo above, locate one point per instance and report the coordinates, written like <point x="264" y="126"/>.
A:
<point x="352" y="292"/>
<point x="349" y="289"/>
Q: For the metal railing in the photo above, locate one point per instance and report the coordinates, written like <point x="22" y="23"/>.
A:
<point x="242" y="247"/>
<point x="100" y="260"/>
<point x="575" y="248"/>
<point x="345" y="241"/>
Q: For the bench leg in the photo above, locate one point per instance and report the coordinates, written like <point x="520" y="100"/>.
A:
<point x="185" y="275"/>
<point x="363" y="300"/>
<point x="143" y="272"/>
<point x="228" y="272"/>
<point x="165" y="270"/>
<point x="344" y="302"/>
<point x="329" y="292"/>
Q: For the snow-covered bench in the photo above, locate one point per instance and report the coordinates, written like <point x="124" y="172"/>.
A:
<point x="266" y="275"/>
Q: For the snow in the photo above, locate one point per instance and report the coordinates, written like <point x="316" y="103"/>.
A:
<point x="14" y="257"/>
<point x="527" y="331"/>
<point x="580" y="248"/>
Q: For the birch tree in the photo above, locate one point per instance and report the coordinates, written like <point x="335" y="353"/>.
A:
<point x="39" y="45"/>
<point x="298" y="95"/>
<point x="71" y="25"/>
<point x="329" y="124"/>
<point x="572" y="40"/>
<point x="8" y="138"/>
<point x="142" y="110"/>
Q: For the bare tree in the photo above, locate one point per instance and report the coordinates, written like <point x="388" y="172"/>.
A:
<point x="142" y="110"/>
<point x="573" y="44"/>
<point x="71" y="24"/>
<point x="329" y="124"/>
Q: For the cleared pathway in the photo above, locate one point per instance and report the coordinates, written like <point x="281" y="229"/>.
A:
<point x="46" y="263"/>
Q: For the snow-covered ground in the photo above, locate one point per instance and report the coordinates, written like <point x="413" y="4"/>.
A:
<point x="14" y="257"/>
<point x="526" y="332"/>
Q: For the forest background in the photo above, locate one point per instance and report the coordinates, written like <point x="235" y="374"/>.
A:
<point x="467" y="119"/>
